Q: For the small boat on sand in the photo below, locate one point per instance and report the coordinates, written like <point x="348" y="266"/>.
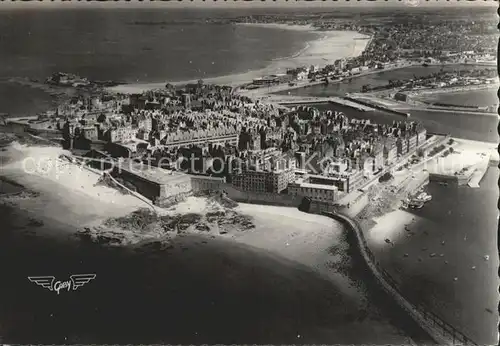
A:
<point x="416" y="205"/>
<point x="423" y="197"/>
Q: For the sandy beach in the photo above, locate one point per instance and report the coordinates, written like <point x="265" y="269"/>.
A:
<point x="325" y="49"/>
<point x="68" y="193"/>
<point x="294" y="241"/>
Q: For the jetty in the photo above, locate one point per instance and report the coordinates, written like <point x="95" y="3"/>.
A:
<point x="379" y="107"/>
<point x="292" y="100"/>
<point x="479" y="172"/>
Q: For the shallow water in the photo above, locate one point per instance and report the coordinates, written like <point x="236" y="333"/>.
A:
<point x="202" y="290"/>
<point x="466" y="220"/>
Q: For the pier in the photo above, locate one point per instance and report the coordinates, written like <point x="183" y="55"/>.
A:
<point x="479" y="172"/>
<point x="287" y="101"/>
<point x="378" y="107"/>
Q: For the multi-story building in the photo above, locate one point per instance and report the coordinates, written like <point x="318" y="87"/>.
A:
<point x="421" y="135"/>
<point x="346" y="181"/>
<point x="122" y="134"/>
<point x="412" y="142"/>
<point x="160" y="186"/>
<point x="143" y="134"/>
<point x="390" y="150"/>
<point x="268" y="171"/>
<point x="263" y="181"/>
<point x="89" y="132"/>
<point x="402" y="146"/>
<point x="219" y="136"/>
<point x="315" y="192"/>
<point x="145" y="122"/>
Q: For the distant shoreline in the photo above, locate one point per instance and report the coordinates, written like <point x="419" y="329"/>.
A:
<point x="326" y="48"/>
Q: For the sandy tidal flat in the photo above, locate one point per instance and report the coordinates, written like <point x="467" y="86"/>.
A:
<point x="287" y="250"/>
<point x="68" y="192"/>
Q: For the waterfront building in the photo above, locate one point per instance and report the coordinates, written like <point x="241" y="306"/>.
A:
<point x="346" y="181"/>
<point x="159" y="185"/>
<point x="402" y="146"/>
<point x="264" y="171"/>
<point x="315" y="192"/>
<point x="421" y="134"/>
<point x="412" y="142"/>
<point x="390" y="150"/>
<point x="266" y="181"/>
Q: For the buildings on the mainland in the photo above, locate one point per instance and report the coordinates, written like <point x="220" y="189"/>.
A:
<point x="269" y="149"/>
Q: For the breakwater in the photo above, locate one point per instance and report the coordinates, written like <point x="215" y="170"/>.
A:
<point x="378" y="107"/>
<point x="458" y="180"/>
<point x="452" y="89"/>
<point x="352" y="103"/>
<point x="438" y="330"/>
<point x="297" y="101"/>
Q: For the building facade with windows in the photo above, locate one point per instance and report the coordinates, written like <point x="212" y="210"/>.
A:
<point x="315" y="192"/>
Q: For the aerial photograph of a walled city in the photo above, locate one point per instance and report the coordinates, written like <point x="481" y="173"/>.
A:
<point x="240" y="173"/>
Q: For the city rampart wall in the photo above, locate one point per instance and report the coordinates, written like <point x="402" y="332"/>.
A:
<point x="204" y="183"/>
<point x="147" y="188"/>
<point x="261" y="197"/>
<point x="355" y="206"/>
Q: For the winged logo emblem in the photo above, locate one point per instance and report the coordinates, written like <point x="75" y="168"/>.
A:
<point x="50" y="283"/>
<point x="44" y="281"/>
<point x="79" y="280"/>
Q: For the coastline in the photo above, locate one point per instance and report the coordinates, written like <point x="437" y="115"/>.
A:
<point x="326" y="48"/>
<point x="440" y="266"/>
<point x="300" y="238"/>
<point x="295" y="239"/>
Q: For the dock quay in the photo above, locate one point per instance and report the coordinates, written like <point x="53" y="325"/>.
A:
<point x="378" y="107"/>
<point x="336" y="100"/>
<point x="479" y="173"/>
<point x="459" y="180"/>
<point x="344" y="101"/>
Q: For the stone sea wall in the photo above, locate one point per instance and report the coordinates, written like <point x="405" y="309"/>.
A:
<point x="440" y="331"/>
